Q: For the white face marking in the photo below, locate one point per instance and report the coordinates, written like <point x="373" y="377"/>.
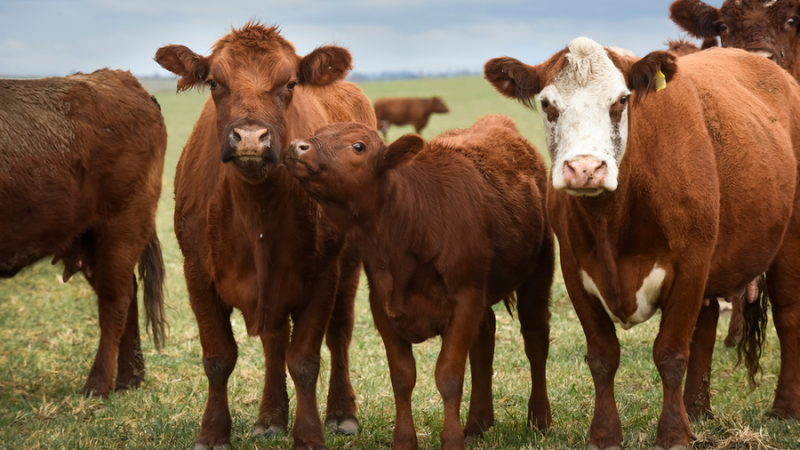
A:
<point x="769" y="3"/>
<point x="583" y="93"/>
<point x="646" y="297"/>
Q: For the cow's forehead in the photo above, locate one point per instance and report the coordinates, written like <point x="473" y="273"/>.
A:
<point x="742" y="6"/>
<point x="588" y="66"/>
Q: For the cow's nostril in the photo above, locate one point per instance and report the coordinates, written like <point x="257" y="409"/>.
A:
<point x="304" y="147"/>
<point x="264" y="135"/>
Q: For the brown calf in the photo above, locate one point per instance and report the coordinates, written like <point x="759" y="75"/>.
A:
<point x="673" y="223"/>
<point x="446" y="229"/>
<point x="404" y="111"/>
<point x="81" y="159"/>
<point x="252" y="238"/>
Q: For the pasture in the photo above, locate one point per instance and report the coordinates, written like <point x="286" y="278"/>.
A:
<point x="49" y="333"/>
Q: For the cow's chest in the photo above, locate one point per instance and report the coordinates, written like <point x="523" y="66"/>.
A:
<point x="633" y="296"/>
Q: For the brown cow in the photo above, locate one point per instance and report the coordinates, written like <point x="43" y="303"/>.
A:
<point x="252" y="238"/>
<point x="404" y="111"/>
<point x="764" y="27"/>
<point x="411" y="208"/>
<point x="81" y="159"/>
<point x="672" y="223"/>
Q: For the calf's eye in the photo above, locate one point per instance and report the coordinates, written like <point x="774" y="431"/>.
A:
<point x="721" y="27"/>
<point x="291" y="85"/>
<point x="359" y="147"/>
<point x="211" y="83"/>
<point x="623" y="100"/>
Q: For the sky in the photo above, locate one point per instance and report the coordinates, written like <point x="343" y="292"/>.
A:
<point x="59" y="37"/>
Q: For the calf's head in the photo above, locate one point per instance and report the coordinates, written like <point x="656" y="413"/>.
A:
<point x="765" y="27"/>
<point x="253" y="74"/>
<point x="585" y="94"/>
<point x="439" y="106"/>
<point x="345" y="163"/>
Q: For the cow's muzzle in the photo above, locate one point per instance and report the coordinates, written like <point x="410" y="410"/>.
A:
<point x="585" y="173"/>
<point x="248" y="144"/>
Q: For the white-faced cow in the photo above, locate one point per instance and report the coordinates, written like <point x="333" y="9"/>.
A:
<point x="660" y="166"/>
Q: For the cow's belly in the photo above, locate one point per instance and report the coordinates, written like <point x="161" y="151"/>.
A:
<point x="645" y="298"/>
<point x="421" y="316"/>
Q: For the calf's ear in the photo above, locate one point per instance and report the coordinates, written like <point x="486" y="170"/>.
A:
<point x="191" y="67"/>
<point x="402" y="150"/>
<point x="513" y="78"/>
<point x="325" y="65"/>
<point x="695" y="17"/>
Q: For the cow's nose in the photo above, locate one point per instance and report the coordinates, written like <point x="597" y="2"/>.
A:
<point x="301" y="146"/>
<point x="249" y="141"/>
<point x="585" y="172"/>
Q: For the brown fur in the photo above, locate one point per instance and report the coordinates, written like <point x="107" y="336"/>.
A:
<point x="253" y="239"/>
<point x="681" y="47"/>
<point x="81" y="161"/>
<point x="404" y="111"/>
<point x="410" y="207"/>
<point x="746" y="24"/>
<point x="689" y="186"/>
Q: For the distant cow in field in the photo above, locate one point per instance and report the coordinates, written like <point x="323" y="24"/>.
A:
<point x="81" y="160"/>
<point x="673" y="224"/>
<point x="253" y="239"/>
<point x="446" y="229"/>
<point x="404" y="111"/>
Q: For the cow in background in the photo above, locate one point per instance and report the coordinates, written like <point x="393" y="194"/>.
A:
<point x="683" y="47"/>
<point x="446" y="229"/>
<point x="81" y="161"/>
<point x="673" y="224"/>
<point x="404" y="111"/>
<point x="253" y="239"/>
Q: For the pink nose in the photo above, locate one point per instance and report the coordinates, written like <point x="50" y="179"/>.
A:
<point x="585" y="172"/>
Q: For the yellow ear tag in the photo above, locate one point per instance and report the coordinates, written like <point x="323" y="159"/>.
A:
<point x="661" y="80"/>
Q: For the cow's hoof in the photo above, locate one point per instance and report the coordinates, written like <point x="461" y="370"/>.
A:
<point x="269" y="432"/>
<point x="347" y="427"/>
<point x="471" y="438"/>
<point x="595" y="447"/>
<point x="209" y="447"/>
<point x="674" y="447"/>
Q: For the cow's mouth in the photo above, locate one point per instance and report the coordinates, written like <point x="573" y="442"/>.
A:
<point x="298" y="168"/>
<point x="588" y="192"/>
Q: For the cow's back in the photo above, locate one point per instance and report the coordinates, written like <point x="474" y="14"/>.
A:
<point x="72" y="151"/>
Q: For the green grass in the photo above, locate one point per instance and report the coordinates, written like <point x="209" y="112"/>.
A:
<point x="49" y="333"/>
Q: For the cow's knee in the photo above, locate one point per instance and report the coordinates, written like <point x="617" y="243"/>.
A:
<point x="304" y="373"/>
<point x="671" y="367"/>
<point x="218" y="368"/>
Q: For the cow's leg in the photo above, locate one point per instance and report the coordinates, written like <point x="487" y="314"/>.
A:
<point x="456" y="342"/>
<point x="340" y="415"/>
<point x="219" y="357"/>
<point x="111" y="280"/>
<point x="783" y="286"/>
<point x="403" y="372"/>
<point x="481" y="357"/>
<point x="671" y="354"/>
<point x="273" y="414"/>
<point x="303" y="358"/>
<point x="130" y="362"/>
<point x="736" y="323"/>
<point x="533" y="306"/>
<point x="696" y="394"/>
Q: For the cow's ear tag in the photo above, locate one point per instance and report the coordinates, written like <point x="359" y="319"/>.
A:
<point x="661" y="80"/>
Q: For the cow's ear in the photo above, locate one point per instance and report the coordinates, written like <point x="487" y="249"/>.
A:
<point x="513" y="78"/>
<point x="695" y="17"/>
<point x="325" y="65"/>
<point x="191" y="67"/>
<point x="402" y="150"/>
<point x="651" y="73"/>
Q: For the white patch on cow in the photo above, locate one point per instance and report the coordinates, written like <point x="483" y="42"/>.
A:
<point x="583" y="92"/>
<point x="646" y="297"/>
<point x="769" y="3"/>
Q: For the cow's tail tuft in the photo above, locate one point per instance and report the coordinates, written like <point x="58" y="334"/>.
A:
<point x="754" y="332"/>
<point x="151" y="276"/>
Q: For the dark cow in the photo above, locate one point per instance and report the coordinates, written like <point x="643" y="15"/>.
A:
<point x="404" y="111"/>
<point x="709" y="142"/>
<point x="446" y="229"/>
<point x="764" y="27"/>
<point x="252" y="238"/>
<point x="682" y="47"/>
<point x="81" y="160"/>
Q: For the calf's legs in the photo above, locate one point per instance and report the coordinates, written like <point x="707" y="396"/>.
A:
<point x="481" y="356"/>
<point x="697" y="395"/>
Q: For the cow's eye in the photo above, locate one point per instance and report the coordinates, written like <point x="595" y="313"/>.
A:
<point x="211" y="83"/>
<point x="545" y="103"/>
<point x="792" y="22"/>
<point x="623" y="100"/>
<point x="291" y="85"/>
<point x="359" y="147"/>
<point x="721" y="27"/>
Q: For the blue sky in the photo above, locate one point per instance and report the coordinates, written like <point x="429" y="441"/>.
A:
<point x="58" y="37"/>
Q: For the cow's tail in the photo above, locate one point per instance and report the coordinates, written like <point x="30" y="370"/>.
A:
<point x="510" y="302"/>
<point x="151" y="276"/>
<point x="754" y="332"/>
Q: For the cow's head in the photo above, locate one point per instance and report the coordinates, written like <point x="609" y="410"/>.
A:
<point x="253" y="74"/>
<point x="765" y="27"/>
<point x="585" y="93"/>
<point x="344" y="163"/>
<point x="438" y="105"/>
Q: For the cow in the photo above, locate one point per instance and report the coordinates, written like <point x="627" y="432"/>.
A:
<point x="683" y="47"/>
<point x="81" y="160"/>
<point x="446" y="229"/>
<point x="252" y="238"/>
<point x="404" y="111"/>
<point x="659" y="167"/>
<point x="765" y="27"/>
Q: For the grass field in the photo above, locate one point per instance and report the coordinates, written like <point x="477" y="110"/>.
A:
<point x="49" y="334"/>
